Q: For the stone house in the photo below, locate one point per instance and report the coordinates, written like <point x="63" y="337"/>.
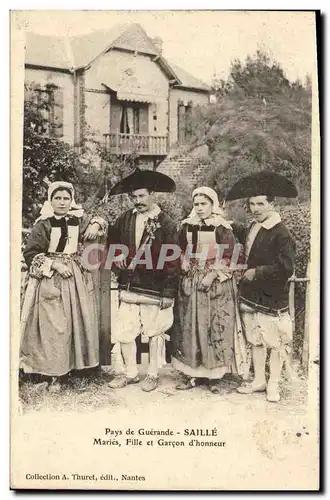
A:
<point x="116" y="84"/>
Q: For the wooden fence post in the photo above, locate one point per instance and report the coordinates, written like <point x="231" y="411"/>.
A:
<point x="117" y="141"/>
<point x="292" y="302"/>
<point x="305" y="352"/>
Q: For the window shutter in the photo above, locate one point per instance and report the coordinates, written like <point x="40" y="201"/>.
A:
<point x="188" y="122"/>
<point x="115" y="116"/>
<point x="144" y="118"/>
<point x="32" y="94"/>
<point x="181" y="123"/>
<point x="58" y="112"/>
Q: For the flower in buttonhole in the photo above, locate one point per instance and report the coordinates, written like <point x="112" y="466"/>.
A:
<point x="151" y="225"/>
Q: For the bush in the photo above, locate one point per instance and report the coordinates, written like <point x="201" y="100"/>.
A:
<point x="95" y="184"/>
<point x="260" y="121"/>
<point x="298" y="221"/>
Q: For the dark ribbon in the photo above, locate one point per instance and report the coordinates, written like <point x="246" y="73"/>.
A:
<point x="193" y="229"/>
<point x="63" y="223"/>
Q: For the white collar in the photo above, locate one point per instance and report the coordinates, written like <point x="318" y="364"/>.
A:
<point x="270" y="221"/>
<point x="151" y="214"/>
<point x="76" y="213"/>
<point x="60" y="216"/>
<point x="214" y="220"/>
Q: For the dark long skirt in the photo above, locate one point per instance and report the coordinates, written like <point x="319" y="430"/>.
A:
<point x="207" y="339"/>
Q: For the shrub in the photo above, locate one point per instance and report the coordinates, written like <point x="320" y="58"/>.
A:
<point x="298" y="221"/>
<point x="260" y="121"/>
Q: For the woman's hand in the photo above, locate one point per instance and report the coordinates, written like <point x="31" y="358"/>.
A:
<point x="120" y="262"/>
<point x="62" y="269"/>
<point x="92" y="231"/>
<point x="185" y="266"/>
<point x="207" y="282"/>
<point x="165" y="303"/>
<point x="249" y="275"/>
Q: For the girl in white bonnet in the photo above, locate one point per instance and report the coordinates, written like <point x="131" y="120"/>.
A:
<point x="58" y="321"/>
<point x="208" y="341"/>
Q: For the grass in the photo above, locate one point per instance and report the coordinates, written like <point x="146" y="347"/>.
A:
<point x="85" y="394"/>
<point x="76" y="394"/>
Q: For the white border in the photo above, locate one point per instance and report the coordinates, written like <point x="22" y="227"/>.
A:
<point x="4" y="199"/>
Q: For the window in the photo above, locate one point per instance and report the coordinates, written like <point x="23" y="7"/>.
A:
<point x="129" y="117"/>
<point x="45" y="106"/>
<point x="184" y="122"/>
<point x="47" y="101"/>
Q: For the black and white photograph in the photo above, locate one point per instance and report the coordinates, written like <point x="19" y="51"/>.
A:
<point x="165" y="246"/>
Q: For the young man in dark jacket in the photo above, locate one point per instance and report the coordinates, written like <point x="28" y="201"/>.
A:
<point x="263" y="290"/>
<point x="148" y="273"/>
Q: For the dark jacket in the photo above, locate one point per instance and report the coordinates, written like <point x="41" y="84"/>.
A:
<point x="272" y="256"/>
<point x="154" y="282"/>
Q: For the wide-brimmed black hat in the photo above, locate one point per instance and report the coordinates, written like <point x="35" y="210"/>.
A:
<point x="262" y="183"/>
<point x="149" y="179"/>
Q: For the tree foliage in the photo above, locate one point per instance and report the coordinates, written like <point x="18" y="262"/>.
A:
<point x="260" y="121"/>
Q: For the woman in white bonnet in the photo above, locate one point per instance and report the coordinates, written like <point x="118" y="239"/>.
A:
<point x="207" y="322"/>
<point x="59" y="330"/>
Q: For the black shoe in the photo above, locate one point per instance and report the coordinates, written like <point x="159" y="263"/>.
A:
<point x="186" y="384"/>
<point x="216" y="387"/>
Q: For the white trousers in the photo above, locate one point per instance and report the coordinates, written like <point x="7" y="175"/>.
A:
<point x="124" y="356"/>
<point x="264" y="331"/>
<point x="129" y="322"/>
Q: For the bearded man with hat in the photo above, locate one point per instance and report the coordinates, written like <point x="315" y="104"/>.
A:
<point x="263" y="290"/>
<point x="147" y="276"/>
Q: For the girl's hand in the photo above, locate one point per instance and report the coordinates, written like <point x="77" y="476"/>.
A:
<point x="185" y="266"/>
<point x="120" y="262"/>
<point x="92" y="231"/>
<point x="249" y="275"/>
<point x="207" y="282"/>
<point x="165" y="303"/>
<point x="62" y="269"/>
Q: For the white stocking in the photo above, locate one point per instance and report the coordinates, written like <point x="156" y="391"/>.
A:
<point x="275" y="367"/>
<point x="129" y="354"/>
<point x="156" y="344"/>
<point x="259" y="360"/>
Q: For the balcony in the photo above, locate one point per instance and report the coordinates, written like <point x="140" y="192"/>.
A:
<point x="150" y="145"/>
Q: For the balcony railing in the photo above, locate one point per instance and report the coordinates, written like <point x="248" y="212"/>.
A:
<point x="117" y="143"/>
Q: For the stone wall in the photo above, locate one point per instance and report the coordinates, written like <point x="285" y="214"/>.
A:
<point x="145" y="163"/>
<point x="186" y="166"/>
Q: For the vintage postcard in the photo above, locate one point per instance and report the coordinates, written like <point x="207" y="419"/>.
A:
<point x="165" y="243"/>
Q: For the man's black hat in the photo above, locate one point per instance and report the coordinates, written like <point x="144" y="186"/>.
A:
<point x="262" y="183"/>
<point x="149" y="179"/>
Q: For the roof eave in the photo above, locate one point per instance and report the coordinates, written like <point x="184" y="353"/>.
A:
<point x="113" y="46"/>
<point x="158" y="59"/>
<point x="167" y="69"/>
<point x="44" y="66"/>
<point x="194" y="89"/>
